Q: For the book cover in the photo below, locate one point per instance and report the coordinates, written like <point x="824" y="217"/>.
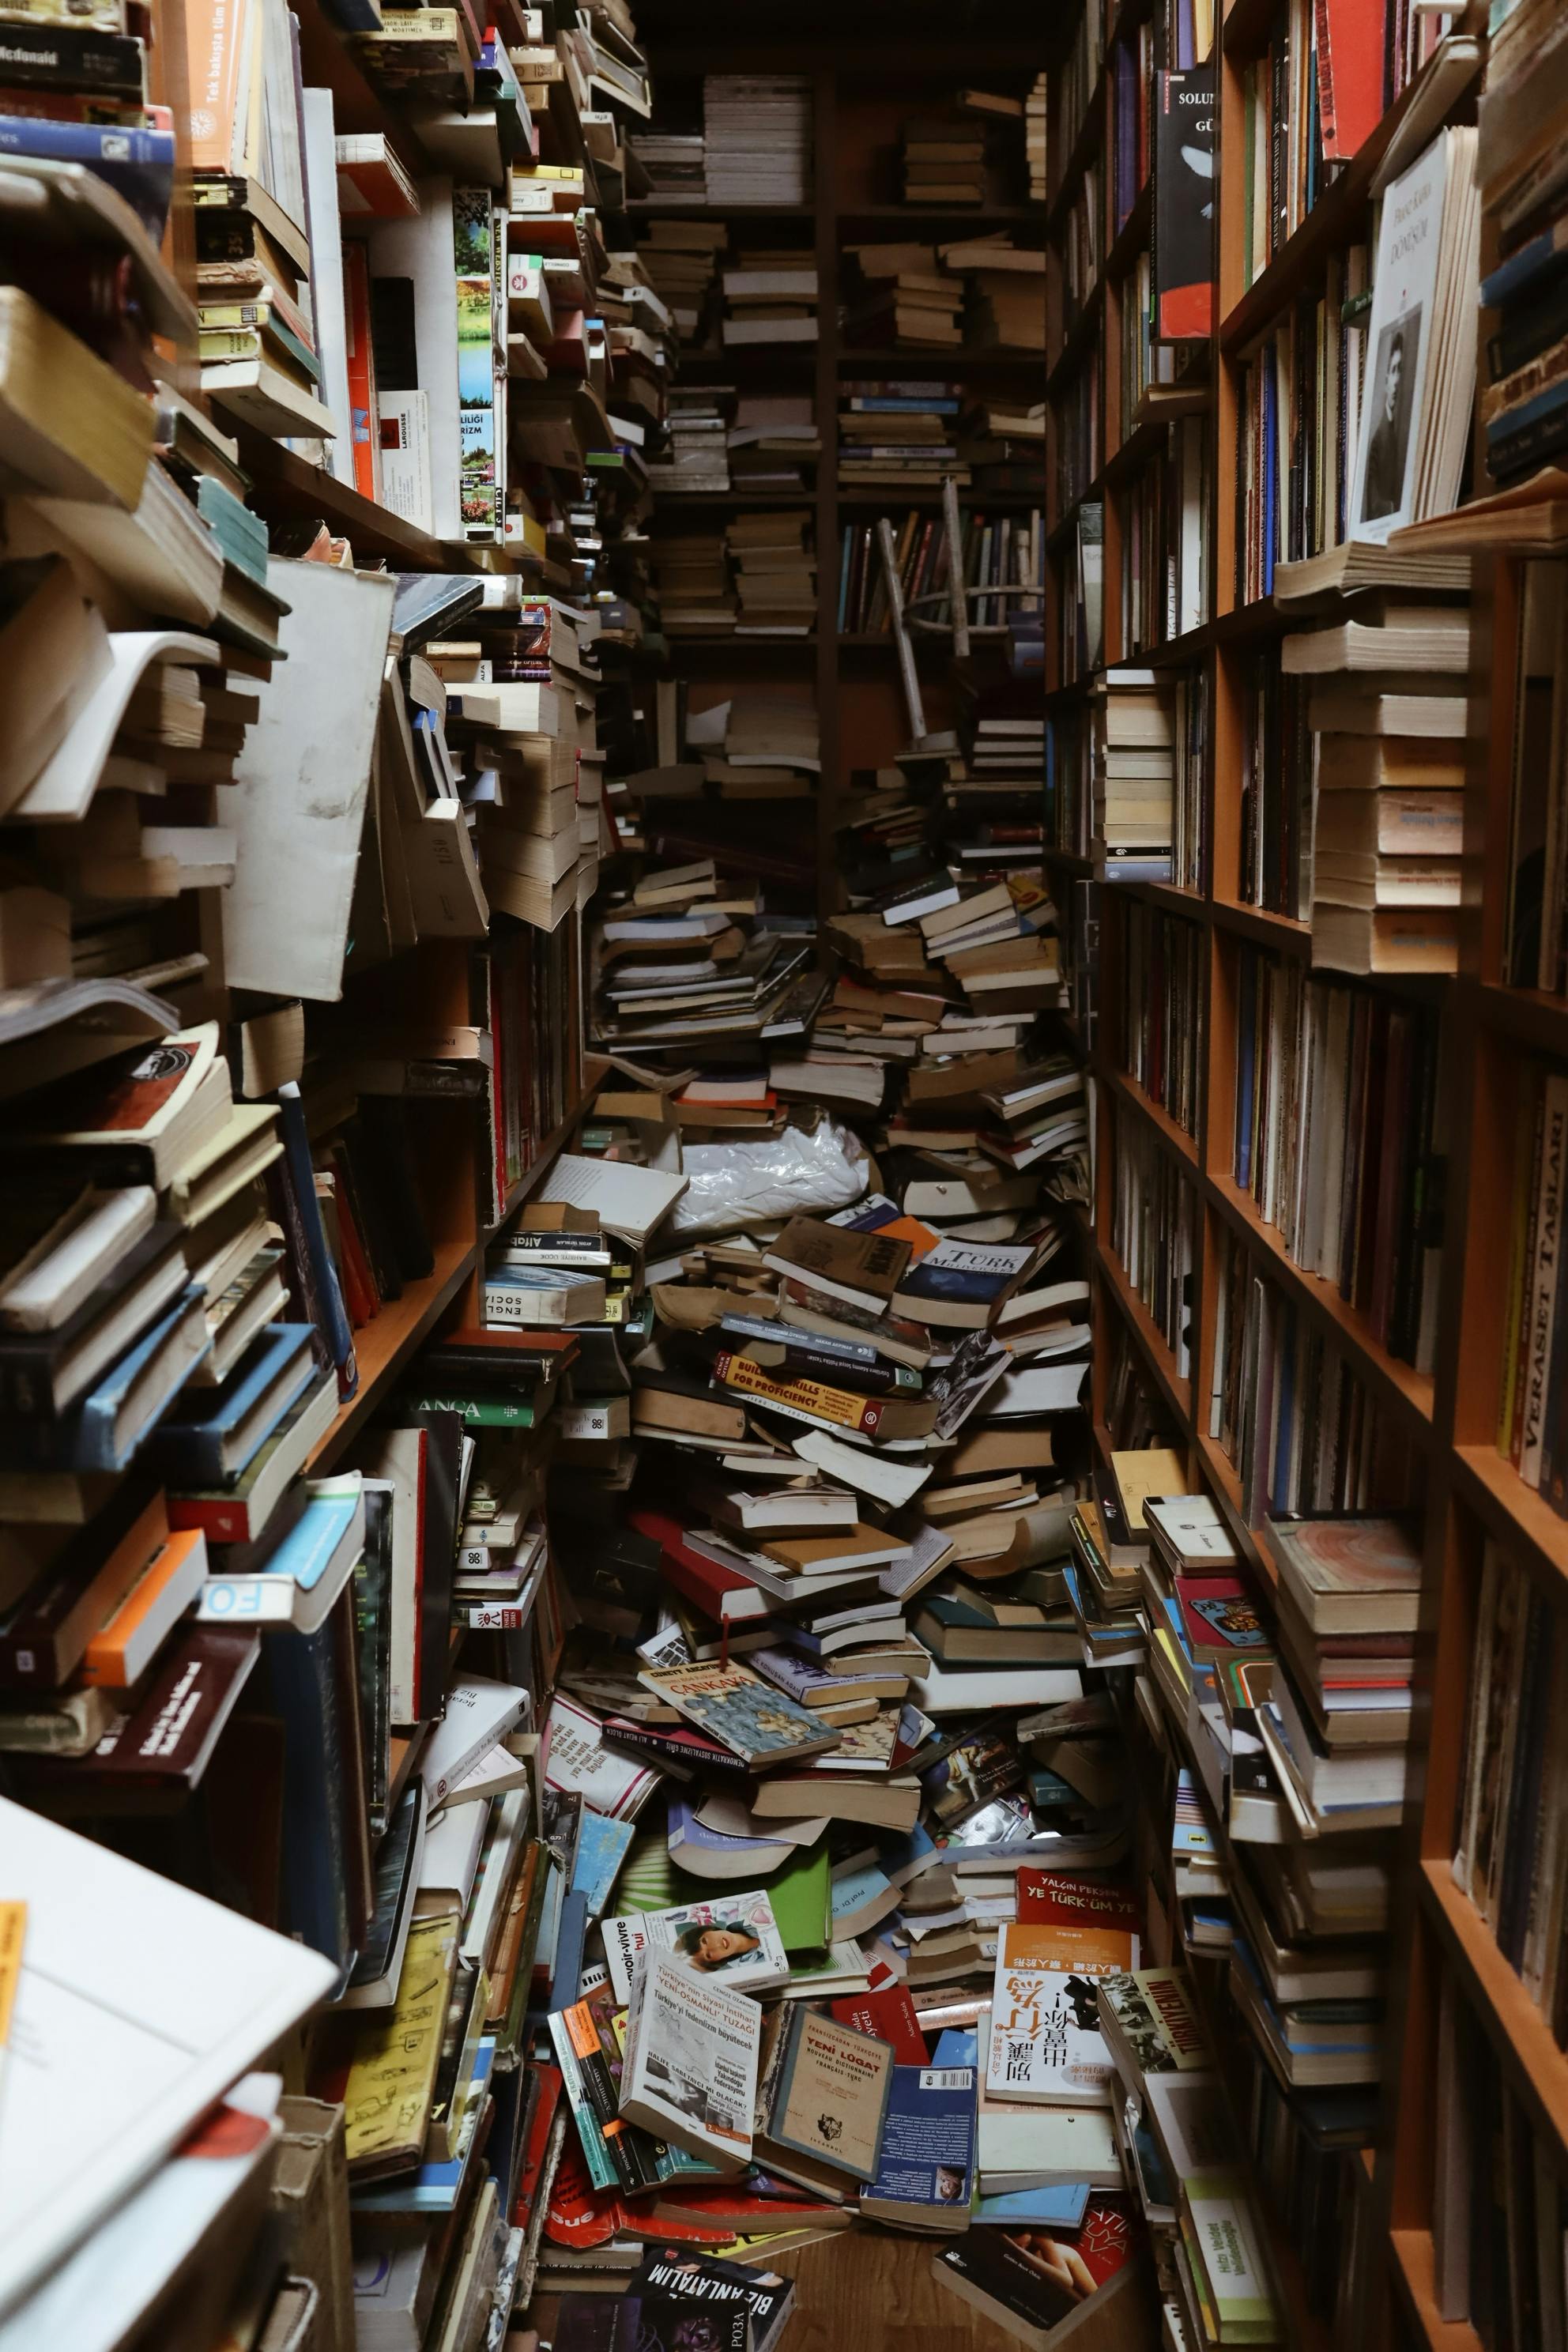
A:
<point x="887" y="2014"/>
<point x="1220" y="2235"/>
<point x="700" y="2280"/>
<point x="576" y="1759"/>
<point x="735" y="1936"/>
<point x="738" y="1708"/>
<point x="925" y="2166"/>
<point x="689" y="2069"/>
<point x="1046" y="2041"/>
<point x="1088" y="1925"/>
<point x="1031" y="2280"/>
<point x="642" y="2322"/>
<point x="827" y="2093"/>
<point x="1150" y="2013"/>
<point x="1183" y="246"/>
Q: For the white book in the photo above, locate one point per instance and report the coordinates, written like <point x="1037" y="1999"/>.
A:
<point x="575" y="1759"/>
<point x="64" y="1267"/>
<point x="734" y="1939"/>
<point x="405" y="451"/>
<point x="327" y="275"/>
<point x="1045" y="2043"/>
<point x="137" y="2005"/>
<point x="690" y="2071"/>
<point x="480" y="1712"/>
<point x="421" y="249"/>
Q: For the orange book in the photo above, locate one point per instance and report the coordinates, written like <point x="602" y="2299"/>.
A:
<point x="125" y="1645"/>
<point x="365" y="427"/>
<point x="216" y="35"/>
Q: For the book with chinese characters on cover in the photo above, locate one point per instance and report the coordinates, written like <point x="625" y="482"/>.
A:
<point x="1045" y="2043"/>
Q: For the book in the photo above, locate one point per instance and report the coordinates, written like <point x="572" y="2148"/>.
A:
<point x="824" y="2102"/>
<point x="746" y="1715"/>
<point x="1150" y="2024"/>
<point x="1079" y="2282"/>
<point x="1046" y="2041"/>
<point x="690" y="2067"/>
<point x="926" y="2162"/>
<point x="1350" y="1575"/>
<point x="736" y="1938"/>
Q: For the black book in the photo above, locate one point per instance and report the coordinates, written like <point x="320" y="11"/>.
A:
<point x="72" y="57"/>
<point x="40" y="1371"/>
<point x="1183" y="244"/>
<point x="383" y="1122"/>
<point x="394" y="1882"/>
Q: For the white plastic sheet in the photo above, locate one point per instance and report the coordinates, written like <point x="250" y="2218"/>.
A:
<point x="802" y="1172"/>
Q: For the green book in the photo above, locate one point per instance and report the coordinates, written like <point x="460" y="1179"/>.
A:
<point x="479" y="1411"/>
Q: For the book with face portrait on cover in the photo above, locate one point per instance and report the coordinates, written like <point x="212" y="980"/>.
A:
<point x="735" y="1939"/>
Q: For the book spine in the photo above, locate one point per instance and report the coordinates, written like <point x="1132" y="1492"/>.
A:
<point x="302" y="1184"/>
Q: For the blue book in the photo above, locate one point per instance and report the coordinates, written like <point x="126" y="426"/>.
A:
<point x="897" y="404"/>
<point x="1539" y="258"/>
<point x="112" y="1421"/>
<point x="957" y="2046"/>
<point x="222" y="1429"/>
<point x="299" y="1580"/>
<point x="1060" y="2207"/>
<point x="602" y="1846"/>
<point x="138" y="164"/>
<point x="925" y="2163"/>
<point x="323" y="1875"/>
<point x="302" y="1189"/>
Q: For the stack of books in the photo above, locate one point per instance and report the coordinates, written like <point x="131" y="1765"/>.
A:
<point x="758" y="135"/>
<point x="770" y="296"/>
<point x="1003" y="447"/>
<point x="674" y="163"/>
<point x="681" y="964"/>
<point x="681" y="258"/>
<point x="903" y="297"/>
<point x="696" y="459"/>
<point x="899" y="434"/>
<point x="772" y="441"/>
<point x="692" y="582"/>
<point x="775" y="572"/>
<point x="943" y="160"/>
<point x="1134" y="776"/>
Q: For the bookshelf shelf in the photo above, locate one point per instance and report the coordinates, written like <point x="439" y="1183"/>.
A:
<point x="1177" y="1391"/>
<point x="1079" y="337"/>
<point x="1415" y="2276"/>
<point x="1246" y="30"/>
<point x="1283" y="933"/>
<point x="1399" y="1385"/>
<point x="1526" y="1015"/>
<point x="1174" y="1137"/>
<point x="1522" y="2038"/>
<point x="286" y="485"/>
<point x="384" y="1347"/>
<point x="1514" y="1512"/>
<point x="1174" y="897"/>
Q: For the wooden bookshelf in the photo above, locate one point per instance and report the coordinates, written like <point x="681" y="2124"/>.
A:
<point x="1491" y="1032"/>
<point x="855" y="91"/>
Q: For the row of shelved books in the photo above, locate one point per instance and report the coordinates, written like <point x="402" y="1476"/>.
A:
<point x="1507" y="1831"/>
<point x="1154" y="1230"/>
<point x="1148" y="365"/>
<point x="1166" y="568"/>
<point x="1354" y="413"/>
<point x="1498" y="2207"/>
<point x="1351" y="811"/>
<point x="1530" y="1431"/>
<point x="1302" y="1429"/>
<point x="1161" y="978"/>
<point x="1080" y="246"/>
<point x="1003" y="551"/>
<point x="1524" y="404"/>
<point x="1315" y="92"/>
<point x="1341" y="1131"/>
<point x="1076" y="413"/>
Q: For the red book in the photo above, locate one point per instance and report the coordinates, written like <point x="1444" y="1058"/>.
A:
<point x="1351" y="38"/>
<point x="538" y="2146"/>
<point x="720" y="1593"/>
<point x="1094" y="1922"/>
<point x="887" y="2016"/>
<point x="169" y="1733"/>
<point x="364" y="430"/>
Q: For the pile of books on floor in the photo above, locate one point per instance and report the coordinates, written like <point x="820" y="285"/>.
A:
<point x="758" y="138"/>
<point x="897" y="433"/>
<point x="681" y="258"/>
<point x="770" y="296"/>
<point x="682" y="964"/>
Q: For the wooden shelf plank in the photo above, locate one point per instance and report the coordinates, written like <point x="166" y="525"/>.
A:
<point x="384" y="1347"/>
<point x="1280" y="932"/>
<point x="1512" y="2024"/>
<point x="1171" y="1133"/>
<point x="1527" y="1015"/>
<point x="1514" y="1512"/>
<point x="286" y="484"/>
<point x="1415" y="2274"/>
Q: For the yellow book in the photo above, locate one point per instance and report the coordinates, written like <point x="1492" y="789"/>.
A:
<point x="392" y="2078"/>
<point x="69" y="426"/>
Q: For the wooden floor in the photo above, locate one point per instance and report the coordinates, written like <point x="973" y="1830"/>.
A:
<point x="860" y="2290"/>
